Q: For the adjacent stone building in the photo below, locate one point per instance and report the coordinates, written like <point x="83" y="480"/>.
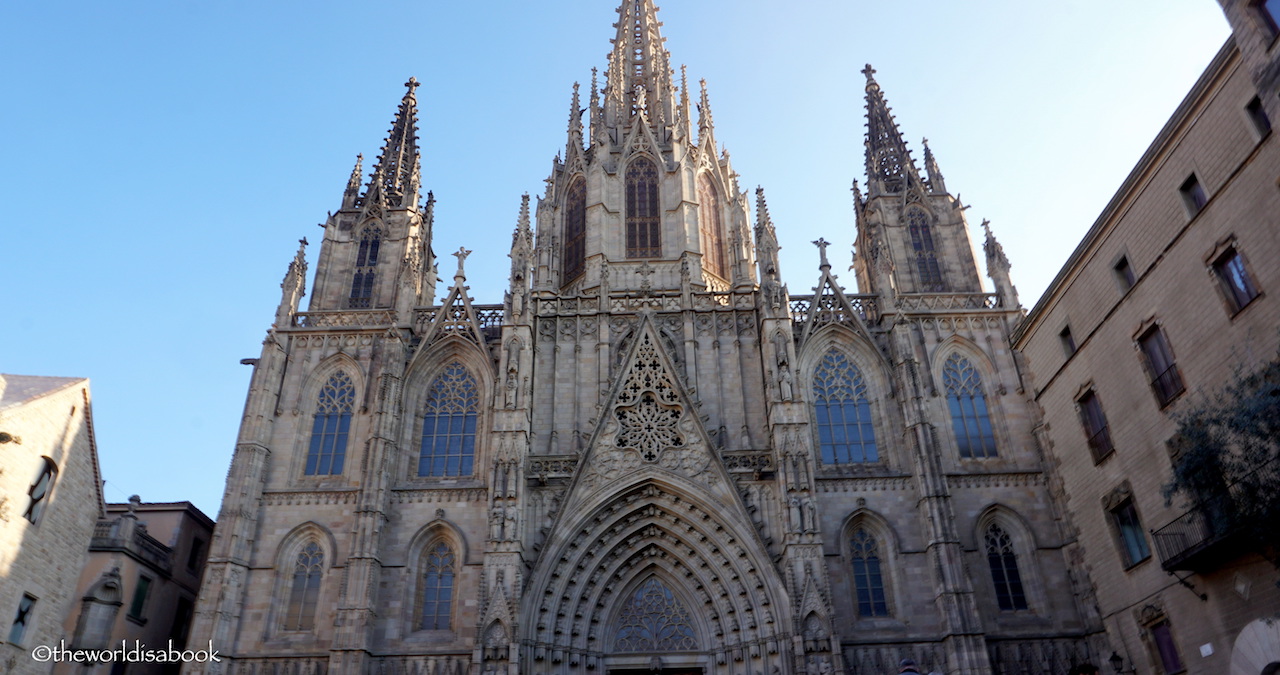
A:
<point x="650" y="456"/>
<point x="139" y="584"/>
<point x="1168" y="300"/>
<point x="50" y="498"/>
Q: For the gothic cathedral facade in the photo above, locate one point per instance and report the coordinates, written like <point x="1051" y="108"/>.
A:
<point x="651" y="457"/>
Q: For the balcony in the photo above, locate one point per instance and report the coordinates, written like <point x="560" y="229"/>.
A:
<point x="1218" y="527"/>
<point x="112" y="535"/>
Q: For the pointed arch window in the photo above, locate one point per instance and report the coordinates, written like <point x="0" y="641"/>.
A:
<point x="330" y="426"/>
<point x="653" y="620"/>
<point x="449" y="424"/>
<point x="644" y="224"/>
<point x="366" y="264"/>
<point x="868" y="582"/>
<point x="845" y="431"/>
<point x="304" y="594"/>
<point x="1004" y="569"/>
<point x="40" y="489"/>
<point x="710" y="227"/>
<point x="970" y="419"/>
<point x="926" y="254"/>
<point x="436" y="610"/>
<point x="575" y="230"/>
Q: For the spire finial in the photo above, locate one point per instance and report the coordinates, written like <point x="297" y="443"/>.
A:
<point x="936" y="182"/>
<point x="397" y="173"/>
<point x="352" y="192"/>
<point x="704" y="108"/>
<point x="890" y="168"/>
<point x="870" y="73"/>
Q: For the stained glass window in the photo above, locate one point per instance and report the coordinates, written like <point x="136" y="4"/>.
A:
<point x="867" y="579"/>
<point x="654" y="620"/>
<point x="366" y="263"/>
<point x="845" y="431"/>
<point x="437" y="588"/>
<point x="449" y="424"/>
<point x="1004" y="569"/>
<point x="926" y="254"/>
<point x="969" y="417"/>
<point x="644" y="224"/>
<point x="709" y="227"/>
<point x="575" y="230"/>
<point x="330" y="425"/>
<point x="308" y="568"/>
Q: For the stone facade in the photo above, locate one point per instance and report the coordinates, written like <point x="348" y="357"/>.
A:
<point x="139" y="584"/>
<point x="50" y="497"/>
<point x="1155" y="264"/>
<point x="651" y="456"/>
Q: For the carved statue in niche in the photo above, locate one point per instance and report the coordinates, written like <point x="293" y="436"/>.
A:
<point x="511" y="388"/>
<point x="810" y="515"/>
<point x="773" y="289"/>
<point x="785" y="389"/>
<point x="496" y="520"/>
<point x="796" y="523"/>
<point x="512" y="518"/>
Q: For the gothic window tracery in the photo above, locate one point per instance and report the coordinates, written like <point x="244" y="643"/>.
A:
<point x="709" y="227"/>
<point x="435" y="612"/>
<point x="926" y="253"/>
<point x="653" y="620"/>
<point x="574" y="257"/>
<point x="366" y="264"/>
<point x="868" y="581"/>
<point x="970" y="419"/>
<point x="644" y="226"/>
<point x="304" y="594"/>
<point x="845" y="430"/>
<point x="1003" y="561"/>
<point x="449" y="424"/>
<point x="330" y="426"/>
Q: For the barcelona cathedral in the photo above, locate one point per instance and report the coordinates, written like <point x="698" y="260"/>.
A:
<point x="651" y="456"/>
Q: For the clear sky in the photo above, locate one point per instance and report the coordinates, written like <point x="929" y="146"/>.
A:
<point x="161" y="159"/>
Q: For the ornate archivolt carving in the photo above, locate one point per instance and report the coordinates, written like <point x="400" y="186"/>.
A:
<point x="650" y="532"/>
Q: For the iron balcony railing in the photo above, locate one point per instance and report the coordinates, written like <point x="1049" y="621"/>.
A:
<point x="1248" y="502"/>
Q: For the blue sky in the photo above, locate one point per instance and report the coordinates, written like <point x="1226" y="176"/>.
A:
<point x="161" y="159"/>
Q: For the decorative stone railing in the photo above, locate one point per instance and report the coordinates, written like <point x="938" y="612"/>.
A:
<point x="110" y="535"/>
<point x="946" y="301"/>
<point x="373" y="318"/>
<point x="292" y="665"/>
<point x="755" y="462"/>
<point x="864" y="305"/>
<point x="489" y="316"/>
<point x="552" y="466"/>
<point x="1037" y="657"/>
<point x="412" y="665"/>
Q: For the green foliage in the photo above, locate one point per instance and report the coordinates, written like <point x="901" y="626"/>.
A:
<point x="1227" y="459"/>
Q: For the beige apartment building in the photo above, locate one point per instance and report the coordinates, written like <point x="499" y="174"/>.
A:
<point x="50" y="498"/>
<point x="1169" y="297"/>
<point x="139" y="584"/>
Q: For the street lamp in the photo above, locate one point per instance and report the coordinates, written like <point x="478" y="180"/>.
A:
<point x="1117" y="662"/>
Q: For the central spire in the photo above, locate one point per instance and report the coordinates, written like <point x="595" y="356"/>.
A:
<point x="396" y="177"/>
<point x="639" y="76"/>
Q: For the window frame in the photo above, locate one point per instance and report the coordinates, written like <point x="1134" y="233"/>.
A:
<point x="975" y="394"/>
<point x="423" y="575"/>
<point x="863" y="417"/>
<point x="1165" y="378"/>
<point x="331" y="429"/>
<point x="1132" y="552"/>
<point x="1194" y="196"/>
<point x="881" y="607"/>
<point x="643" y="231"/>
<point x="1093" y="421"/>
<point x="925" y="248"/>
<point x="1068" y="341"/>
<point x="1235" y="296"/>
<point x="37" y="505"/>
<point x="1256" y="114"/>
<point x="364" y="274"/>
<point x="467" y="455"/>
<point x="294" y="617"/>
<point x="1126" y="277"/>
<point x="138" y="601"/>
<point x="711" y="227"/>
<point x="573" y="252"/>
<point x="1268" y="20"/>
<point x="26" y="614"/>
<point x="1006" y="556"/>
